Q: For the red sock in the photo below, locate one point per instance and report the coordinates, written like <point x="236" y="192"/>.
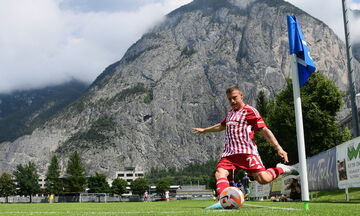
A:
<point x="275" y="172"/>
<point x="221" y="184"/>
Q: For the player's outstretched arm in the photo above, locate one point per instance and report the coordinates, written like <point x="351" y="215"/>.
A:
<point x="215" y="128"/>
<point x="269" y="136"/>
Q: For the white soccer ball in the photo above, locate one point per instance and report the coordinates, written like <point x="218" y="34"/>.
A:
<point x="232" y="198"/>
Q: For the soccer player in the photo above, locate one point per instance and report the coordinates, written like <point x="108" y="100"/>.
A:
<point x="295" y="190"/>
<point x="240" y="150"/>
<point x="245" y="181"/>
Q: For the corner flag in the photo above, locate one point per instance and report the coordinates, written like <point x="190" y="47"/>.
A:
<point x="299" y="47"/>
<point x="302" y="67"/>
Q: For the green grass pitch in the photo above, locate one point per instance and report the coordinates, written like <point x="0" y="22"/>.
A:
<point x="179" y="207"/>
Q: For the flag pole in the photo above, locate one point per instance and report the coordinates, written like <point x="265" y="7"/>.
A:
<point x="300" y="133"/>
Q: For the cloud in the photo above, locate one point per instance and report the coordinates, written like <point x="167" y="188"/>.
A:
<point x="330" y="12"/>
<point x="355" y="22"/>
<point x="105" y="5"/>
<point x="45" y="43"/>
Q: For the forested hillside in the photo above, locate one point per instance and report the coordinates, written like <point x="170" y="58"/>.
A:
<point x="22" y="111"/>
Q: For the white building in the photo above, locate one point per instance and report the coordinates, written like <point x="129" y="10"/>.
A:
<point x="42" y="182"/>
<point x="129" y="174"/>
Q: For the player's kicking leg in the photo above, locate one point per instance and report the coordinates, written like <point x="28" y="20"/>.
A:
<point x="222" y="182"/>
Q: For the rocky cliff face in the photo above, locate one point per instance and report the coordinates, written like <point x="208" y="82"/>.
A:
<point x="140" y="110"/>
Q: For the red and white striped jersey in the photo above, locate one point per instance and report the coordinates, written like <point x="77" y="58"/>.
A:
<point x="240" y="125"/>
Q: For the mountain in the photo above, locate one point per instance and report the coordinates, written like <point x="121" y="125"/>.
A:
<point x="356" y="43"/>
<point x="356" y="13"/>
<point x="140" y="110"/>
<point x="22" y="111"/>
<point x="356" y="51"/>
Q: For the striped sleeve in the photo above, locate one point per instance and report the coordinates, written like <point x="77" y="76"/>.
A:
<point x="254" y="118"/>
<point x="223" y="122"/>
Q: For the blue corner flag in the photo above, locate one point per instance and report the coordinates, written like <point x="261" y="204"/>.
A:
<point x="299" y="47"/>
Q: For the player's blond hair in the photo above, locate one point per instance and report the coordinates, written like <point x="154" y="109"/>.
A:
<point x="232" y="88"/>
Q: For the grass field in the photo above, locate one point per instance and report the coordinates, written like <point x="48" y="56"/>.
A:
<point x="337" y="195"/>
<point x="181" y="207"/>
<point x="325" y="203"/>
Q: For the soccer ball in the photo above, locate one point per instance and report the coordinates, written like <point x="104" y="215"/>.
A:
<point x="232" y="198"/>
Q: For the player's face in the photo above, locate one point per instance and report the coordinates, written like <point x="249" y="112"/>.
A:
<point x="235" y="99"/>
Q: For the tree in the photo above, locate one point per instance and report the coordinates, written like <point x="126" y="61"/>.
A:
<point x="119" y="186"/>
<point x="27" y="180"/>
<point x="7" y="186"/>
<point x="98" y="184"/>
<point x="192" y="173"/>
<point x="321" y="100"/>
<point x="53" y="181"/>
<point x="263" y="146"/>
<point x="261" y="104"/>
<point x="139" y="186"/>
<point x="75" y="180"/>
<point x="162" y="185"/>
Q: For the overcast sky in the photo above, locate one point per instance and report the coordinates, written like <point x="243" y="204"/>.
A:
<point x="46" y="42"/>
